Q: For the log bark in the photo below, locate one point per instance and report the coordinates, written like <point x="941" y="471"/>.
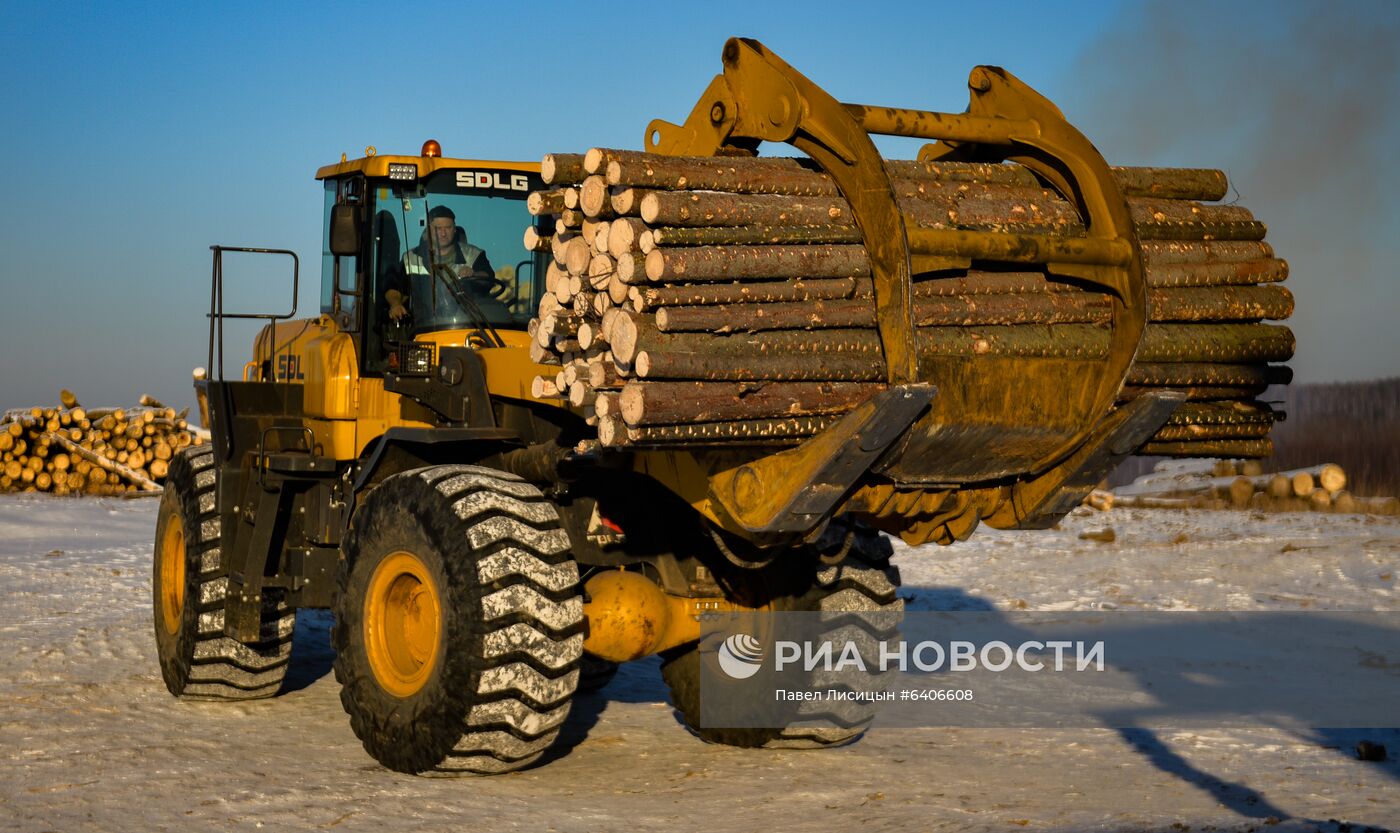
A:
<point x="1146" y="502"/>
<point x="1203" y="231"/>
<point x="767" y="292"/>
<point x="801" y="176"/>
<point x="1211" y="448"/>
<point x="627" y="201"/>
<point x="561" y="168"/>
<point x="1198" y="393"/>
<point x="1201" y="373"/>
<point x="1169" y="252"/>
<point x="750" y="235"/>
<point x="707" y="208"/>
<point x="1182" y="305"/>
<point x="545" y="202"/>
<point x="1192" y="432"/>
<point x="738" y="432"/>
<point x="632" y="269"/>
<point x="703" y="366"/>
<point x="661" y="403"/>
<point x="1235" y="273"/>
<point x="596" y="160"/>
<point x="1222" y="343"/>
<point x="720" y="262"/>
<point x="809" y="315"/>
<point x="714" y="263"/>
<point x="1226" y="413"/>
<point x="1215" y="343"/>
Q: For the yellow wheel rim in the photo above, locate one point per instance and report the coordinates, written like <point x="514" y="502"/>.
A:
<point x="172" y="575"/>
<point x="403" y="620"/>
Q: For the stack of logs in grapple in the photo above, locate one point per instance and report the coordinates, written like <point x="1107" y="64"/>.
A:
<point x="722" y="301"/>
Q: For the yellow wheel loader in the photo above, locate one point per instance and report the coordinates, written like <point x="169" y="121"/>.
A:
<point x="482" y="551"/>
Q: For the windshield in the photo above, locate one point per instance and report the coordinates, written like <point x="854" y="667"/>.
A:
<point x="448" y="252"/>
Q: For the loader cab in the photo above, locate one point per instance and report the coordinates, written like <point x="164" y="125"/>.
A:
<point x="438" y="248"/>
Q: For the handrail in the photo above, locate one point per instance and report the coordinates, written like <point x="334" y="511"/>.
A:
<point x="216" y="302"/>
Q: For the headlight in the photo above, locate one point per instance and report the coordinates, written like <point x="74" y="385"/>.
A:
<point x="416" y="359"/>
<point x="403" y="171"/>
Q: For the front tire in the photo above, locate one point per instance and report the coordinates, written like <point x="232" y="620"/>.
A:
<point x="188" y="590"/>
<point x="459" y="622"/>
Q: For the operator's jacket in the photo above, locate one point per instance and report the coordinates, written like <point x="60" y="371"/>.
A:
<point x="430" y="301"/>
<point x="415" y="260"/>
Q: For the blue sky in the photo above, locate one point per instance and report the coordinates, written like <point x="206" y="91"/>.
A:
<point x="137" y="136"/>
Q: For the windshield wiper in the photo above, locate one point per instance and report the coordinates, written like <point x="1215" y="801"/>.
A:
<point x="466" y="302"/>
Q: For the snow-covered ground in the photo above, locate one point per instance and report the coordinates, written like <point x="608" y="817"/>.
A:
<point x="90" y="741"/>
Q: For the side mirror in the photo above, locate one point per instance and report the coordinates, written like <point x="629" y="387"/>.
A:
<point x="345" y="231"/>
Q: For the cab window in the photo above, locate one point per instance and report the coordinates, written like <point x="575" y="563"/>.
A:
<point x="337" y="190"/>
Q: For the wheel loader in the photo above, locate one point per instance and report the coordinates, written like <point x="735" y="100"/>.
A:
<point x="486" y="556"/>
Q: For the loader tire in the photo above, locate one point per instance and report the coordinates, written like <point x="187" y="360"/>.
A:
<point x="458" y="622"/>
<point x="188" y="589"/>
<point x="863" y="581"/>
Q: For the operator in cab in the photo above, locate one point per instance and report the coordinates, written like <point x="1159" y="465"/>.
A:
<point x="443" y="260"/>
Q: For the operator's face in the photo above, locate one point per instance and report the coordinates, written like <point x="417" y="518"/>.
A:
<point x="444" y="230"/>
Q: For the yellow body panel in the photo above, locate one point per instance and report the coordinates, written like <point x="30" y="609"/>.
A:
<point x="378" y="166"/>
<point x="381" y="410"/>
<point x="334" y="437"/>
<point x="509" y="371"/>
<point x="346" y="411"/>
<point x="279" y="349"/>
<point x="332" y="378"/>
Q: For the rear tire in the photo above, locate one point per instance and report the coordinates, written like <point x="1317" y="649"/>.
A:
<point x="459" y="622"/>
<point x="863" y="581"/>
<point x="188" y="590"/>
<point x="595" y="673"/>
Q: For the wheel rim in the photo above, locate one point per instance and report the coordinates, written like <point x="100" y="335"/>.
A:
<point x="172" y="575"/>
<point x="403" y="621"/>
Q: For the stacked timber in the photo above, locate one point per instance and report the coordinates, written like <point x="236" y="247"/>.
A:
<point x="70" y="449"/>
<point x="1243" y="484"/>
<point x="729" y="300"/>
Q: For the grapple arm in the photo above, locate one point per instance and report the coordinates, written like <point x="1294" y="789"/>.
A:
<point x="759" y="97"/>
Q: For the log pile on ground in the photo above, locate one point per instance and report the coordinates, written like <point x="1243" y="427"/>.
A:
<point x="1243" y="484"/>
<point x="729" y="300"/>
<point x="70" y="449"/>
